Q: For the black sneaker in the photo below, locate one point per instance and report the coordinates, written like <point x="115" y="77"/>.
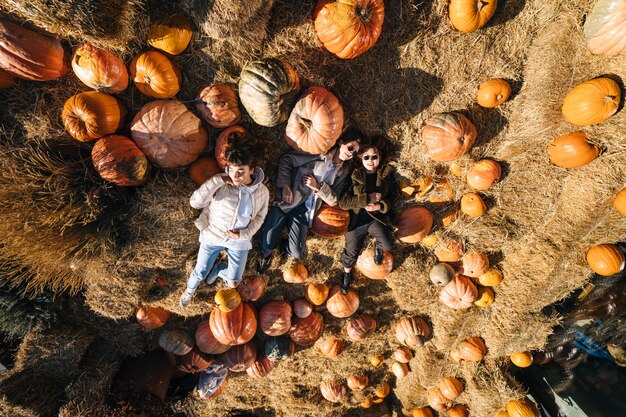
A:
<point x="346" y="280"/>
<point x="263" y="264"/>
<point x="379" y="256"/>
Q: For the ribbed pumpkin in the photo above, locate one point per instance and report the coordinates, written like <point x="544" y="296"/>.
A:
<point x="172" y="35"/>
<point x="448" y="136"/>
<point x="347" y="28"/>
<point x="279" y="348"/>
<point x="118" y="160"/>
<point x="471" y="15"/>
<point x="483" y="174"/>
<point x="491" y="278"/>
<point x="522" y="408"/>
<point x="316" y="121"/>
<point x="422" y="412"/>
<point x="155" y="75"/>
<point x="206" y="341"/>
<point x="605" y="260"/>
<point x="473" y="205"/>
<point x="29" y="55"/>
<point x="330" y="347"/>
<point x="222" y="141"/>
<point x="402" y="355"/>
<point x="235" y="327"/>
<point x="591" y="102"/>
<point x="202" y="169"/>
<point x="475" y="264"/>
<point x="177" y="342"/>
<point x="572" y="150"/>
<point x="357" y="382"/>
<point x="449" y="251"/>
<point x="360" y="328"/>
<point x="218" y="105"/>
<point x="91" y="115"/>
<point x="261" y="367"/>
<point x="366" y="265"/>
<point x="239" y="358"/>
<point x="485" y="297"/>
<point x="99" y="69"/>
<point x="441" y="274"/>
<point x="412" y="331"/>
<point x="296" y="273"/>
<point x="413" y="224"/>
<point x="451" y="388"/>
<point x="620" y="201"/>
<point x="472" y="349"/>
<point x="227" y="299"/>
<point x="605" y="28"/>
<point x="317" y="293"/>
<point x="275" y="318"/>
<point x="330" y="222"/>
<point x="152" y="317"/>
<point x="458" y="411"/>
<point x="492" y="93"/>
<point x="522" y="359"/>
<point x="342" y="305"/>
<point x="460" y="293"/>
<point x="436" y="399"/>
<point x="332" y="391"/>
<point x="7" y="80"/>
<point x="306" y="331"/>
<point x="252" y="288"/>
<point x="268" y="89"/>
<point x="168" y="133"/>
<point x="192" y="362"/>
<point x="302" y="308"/>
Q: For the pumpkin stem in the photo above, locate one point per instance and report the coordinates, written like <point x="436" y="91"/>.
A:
<point x="364" y="14"/>
<point x="480" y="4"/>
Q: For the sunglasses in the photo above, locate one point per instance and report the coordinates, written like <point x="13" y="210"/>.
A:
<point x="372" y="157"/>
<point x="351" y="148"/>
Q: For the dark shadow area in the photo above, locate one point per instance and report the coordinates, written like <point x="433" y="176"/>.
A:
<point x="507" y="10"/>
<point x="489" y="123"/>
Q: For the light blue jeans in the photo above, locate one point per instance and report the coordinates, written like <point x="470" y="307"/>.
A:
<point x="231" y="273"/>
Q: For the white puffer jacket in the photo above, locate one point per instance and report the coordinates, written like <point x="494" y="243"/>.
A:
<point x="220" y="206"/>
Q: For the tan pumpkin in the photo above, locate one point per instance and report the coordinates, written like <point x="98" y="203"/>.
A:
<point x="360" y="328"/>
<point x="413" y="224"/>
<point x="412" y="331"/>
<point x="436" y="400"/>
<point x="484" y="174"/>
<point x="239" y="358"/>
<point x="458" y="411"/>
<point x="451" y="388"/>
<point x="399" y="369"/>
<point x="218" y="105"/>
<point x="592" y="102"/>
<point x="332" y="391"/>
<point x="206" y="341"/>
<point x="152" y="317"/>
<point x="522" y="408"/>
<point x="316" y="121"/>
<point x="441" y="274"/>
<point x="177" y="342"/>
<point x="460" y="293"/>
<point x="227" y="299"/>
<point x="302" y="308"/>
<point x="261" y="367"/>
<point x="448" y="136"/>
<point x="473" y="205"/>
<point x="306" y="331"/>
<point x="99" y="69"/>
<point x="268" y="89"/>
<point x="252" y="288"/>
<point x="572" y="150"/>
<point x="620" y="201"/>
<point x="471" y="15"/>
<point x="357" y="382"/>
<point x="330" y="221"/>
<point x="605" y="28"/>
<point x="605" y="260"/>
<point x="490" y="278"/>
<point x="29" y="55"/>
<point x="492" y="93"/>
<point x="366" y="265"/>
<point x="402" y="355"/>
<point x="296" y="273"/>
<point x="222" y="141"/>
<point x="275" y="318"/>
<point x="485" y="297"/>
<point x="331" y="347"/>
<point x="522" y="359"/>
<point x="234" y="327"/>
<point x="317" y="293"/>
<point x="168" y="133"/>
<point x="91" y="115"/>
<point x="342" y="305"/>
<point x="202" y="169"/>
<point x="422" y="412"/>
<point x="7" y="80"/>
<point x="449" y="251"/>
<point x="475" y="264"/>
<point x="118" y="160"/>
<point x="472" y="349"/>
<point x="155" y="75"/>
<point x="172" y="35"/>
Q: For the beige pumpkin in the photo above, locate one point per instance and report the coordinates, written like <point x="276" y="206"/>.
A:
<point x="460" y="293"/>
<point x="605" y="28"/>
<point x="475" y="264"/>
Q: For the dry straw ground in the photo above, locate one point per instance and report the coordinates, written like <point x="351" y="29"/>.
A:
<point x="60" y="222"/>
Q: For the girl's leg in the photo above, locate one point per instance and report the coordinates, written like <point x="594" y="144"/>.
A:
<point x="354" y="243"/>
<point x="206" y="258"/>
<point x="233" y="273"/>
<point x="380" y="232"/>
<point x="298" y="230"/>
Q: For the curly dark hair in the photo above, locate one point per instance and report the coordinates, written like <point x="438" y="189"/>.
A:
<point x="381" y="144"/>
<point x="243" y="149"/>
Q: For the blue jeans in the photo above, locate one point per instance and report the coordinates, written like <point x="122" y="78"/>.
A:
<point x="231" y="273"/>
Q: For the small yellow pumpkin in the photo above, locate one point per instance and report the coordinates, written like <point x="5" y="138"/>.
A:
<point x="522" y="359"/>
<point x="485" y="297"/>
<point x="377" y="360"/>
<point x="491" y="278"/>
<point x="473" y="205"/>
<point x="171" y="36"/>
<point x="227" y="300"/>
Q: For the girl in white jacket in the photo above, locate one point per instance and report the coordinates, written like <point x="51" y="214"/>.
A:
<point x="234" y="205"/>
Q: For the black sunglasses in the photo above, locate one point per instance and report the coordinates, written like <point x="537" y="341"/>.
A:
<point x="368" y="157"/>
<point x="351" y="148"/>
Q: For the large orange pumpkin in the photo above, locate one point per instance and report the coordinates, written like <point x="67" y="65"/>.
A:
<point x="239" y="358"/>
<point x="118" y="160"/>
<point x="222" y="141"/>
<point x="473" y="205"/>
<point x="100" y="69"/>
<point x="315" y="122"/>
<point x="168" y="133"/>
<point x="605" y="28"/>
<point x="306" y="331"/>
<point x="472" y="349"/>
<point x="620" y="201"/>
<point x="252" y="288"/>
<point x="475" y="264"/>
<point x="572" y="150"/>
<point x="296" y="273"/>
<point x="413" y="224"/>
<point x="234" y="327"/>
<point x="522" y="408"/>
<point x="202" y="169"/>
<point x="605" y="260"/>
<point x="155" y="75"/>
<point x="261" y="367"/>
<point x="206" y="341"/>
<point x="29" y="55"/>
<point x="218" y="105"/>
<point x="152" y="317"/>
<point x="412" y="331"/>
<point x="460" y="293"/>
<point x="342" y="305"/>
<point x="471" y="15"/>
<point x="331" y="347"/>
<point x="317" y="293"/>
<point x="484" y="174"/>
<point x="172" y="35"/>
<point x="366" y="265"/>
<point x="275" y="318"/>
<point x="448" y="136"/>
<point x="330" y="221"/>
<point x="347" y="28"/>
<point x="492" y="93"/>
<point x="7" y="80"/>
<point x="591" y="102"/>
<point x="361" y="327"/>
<point x="90" y="115"/>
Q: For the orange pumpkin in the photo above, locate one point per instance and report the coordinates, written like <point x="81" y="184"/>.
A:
<point x="222" y="141"/>
<point x="485" y="297"/>
<point x="491" y="278"/>
<point x="475" y="264"/>
<point x="227" y="299"/>
<point x="366" y="265"/>
<point x="483" y="174"/>
<point x="202" y="169"/>
<point x="252" y="288"/>
<point x="460" y="293"/>
<point x="29" y="55"/>
<point x="449" y="251"/>
<point x="357" y="382"/>
<point x="234" y="327"/>
<point x="492" y="93"/>
<point x="572" y="150"/>
<point x="448" y="136"/>
<point x="118" y="160"/>
<point x="522" y="359"/>
<point x="330" y="221"/>
<point x="192" y="362"/>
<point x="172" y="35"/>
<point x="331" y="347"/>
<point x="605" y="260"/>
<point x="620" y="201"/>
<point x="458" y="411"/>
<point x="383" y="390"/>
<point x="605" y="28"/>
<point x="473" y="205"/>
<point x="261" y="367"/>
<point x="317" y="293"/>
<point x="218" y="105"/>
<point x="7" y="80"/>
<point x="347" y="28"/>
<point x="472" y="349"/>
<point x="413" y="224"/>
<point x="471" y="15"/>
<point x="342" y="305"/>
<point x="155" y="75"/>
<point x="332" y="391"/>
<point x="152" y="317"/>
<point x="451" y="388"/>
<point x="502" y="413"/>
<point x="360" y="328"/>
<point x="177" y="342"/>
<point x="436" y="399"/>
<point x="306" y="331"/>
<point x="402" y="355"/>
<point x="591" y="102"/>
<point x="91" y="115"/>
<point x="422" y="412"/>
<point x="522" y="408"/>
<point x="239" y="358"/>
<point x="315" y="122"/>
<point x="302" y="308"/>
<point x="367" y="402"/>
<point x="412" y="331"/>
<point x="296" y="273"/>
<point x="206" y="341"/>
<point x="168" y="133"/>
<point x="275" y="318"/>
<point x="99" y="69"/>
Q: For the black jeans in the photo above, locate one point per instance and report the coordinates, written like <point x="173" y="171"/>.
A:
<point x="298" y="230"/>
<point x="355" y="239"/>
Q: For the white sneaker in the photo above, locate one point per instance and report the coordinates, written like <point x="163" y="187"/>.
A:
<point x="185" y="299"/>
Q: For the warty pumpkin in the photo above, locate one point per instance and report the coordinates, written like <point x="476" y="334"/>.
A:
<point x="347" y="28"/>
<point x="118" y="160"/>
<point x="360" y="328"/>
<point x="484" y="174"/>
<point x="227" y="299"/>
<point x="413" y="224"/>
<point x="261" y="367"/>
<point x="296" y="273"/>
<point x="572" y="150"/>
<point x="471" y="15"/>
<point x="99" y="69"/>
<point x="451" y="388"/>
<point x="522" y="408"/>
<point x="252" y="288"/>
<point x="605" y="28"/>
<point x="91" y="115"/>
<point x="522" y="359"/>
<point x="206" y="341"/>
<point x="422" y="412"/>
<point x="331" y="347"/>
<point x="172" y="35"/>
<point x="412" y="331"/>
<point x="591" y="102"/>
<point x="152" y="317"/>
<point x="306" y="331"/>
<point x="234" y="327"/>
<point x="239" y="358"/>
<point x="472" y="349"/>
<point x="342" y="305"/>
<point x="620" y="201"/>
<point x="441" y="274"/>
<point x="222" y="141"/>
<point x="177" y="342"/>
<point x="202" y="169"/>
<point x="330" y="221"/>
<point x="475" y="264"/>
<point x="460" y="293"/>
<point x="218" y="105"/>
<point x="605" y="259"/>
<point x="485" y="297"/>
<point x="366" y="265"/>
<point x="275" y="318"/>
<point x="332" y="391"/>
<point x="302" y="308"/>
<point x="155" y="75"/>
<point x="7" y="80"/>
<point x="448" y="136"/>
<point x="473" y="205"/>
<point x="357" y="382"/>
<point x="317" y="293"/>
<point x="492" y="93"/>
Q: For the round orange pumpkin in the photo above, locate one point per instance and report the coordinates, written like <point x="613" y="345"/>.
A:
<point x="342" y="305"/>
<point x="168" y="133"/>
<point x="172" y="35"/>
<point x="252" y="288"/>
<point x="605" y="260"/>
<point x="239" y="358"/>
<point x="330" y="221"/>
<point x="218" y="105"/>
<point x="492" y="93"/>
<point x="347" y="28"/>
<point x="91" y="115"/>
<point x="366" y="265"/>
<point x="227" y="299"/>
<point x="472" y="349"/>
<point x="412" y="331"/>
<point x="7" y="80"/>
<point x="317" y="293"/>
<point x="620" y="201"/>
<point x="422" y="412"/>
<point x="572" y="150"/>
<point x="306" y="331"/>
<point x="490" y="278"/>
<point x="357" y="382"/>
<point x="448" y="136"/>
<point x="296" y="273"/>
<point x="118" y="160"/>
<point x="473" y="205"/>
<point x="332" y="391"/>
<point x="592" y="102"/>
<point x="331" y="347"/>
<point x="605" y="28"/>
<point x="484" y="174"/>
<point x="460" y="293"/>
<point x="449" y="251"/>
<point x="155" y="75"/>
<point x="413" y="224"/>
<point x="302" y="308"/>
<point x="475" y="264"/>
<point x="451" y="388"/>
<point x="99" y="69"/>
<point x="522" y="359"/>
<point x="206" y="341"/>
<point x="222" y="141"/>
<point x="152" y="317"/>
<point x="471" y="15"/>
<point x="202" y="169"/>
<point x="261" y="367"/>
<point x="275" y="318"/>
<point x="522" y="408"/>
<point x="360" y="328"/>
<point x="177" y="342"/>
<point x="315" y="122"/>
<point x="234" y="327"/>
<point x="436" y="399"/>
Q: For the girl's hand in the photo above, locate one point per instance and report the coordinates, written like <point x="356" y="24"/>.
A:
<point x="233" y="234"/>
<point x="311" y="182"/>
<point x="287" y="196"/>
<point x="372" y="207"/>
